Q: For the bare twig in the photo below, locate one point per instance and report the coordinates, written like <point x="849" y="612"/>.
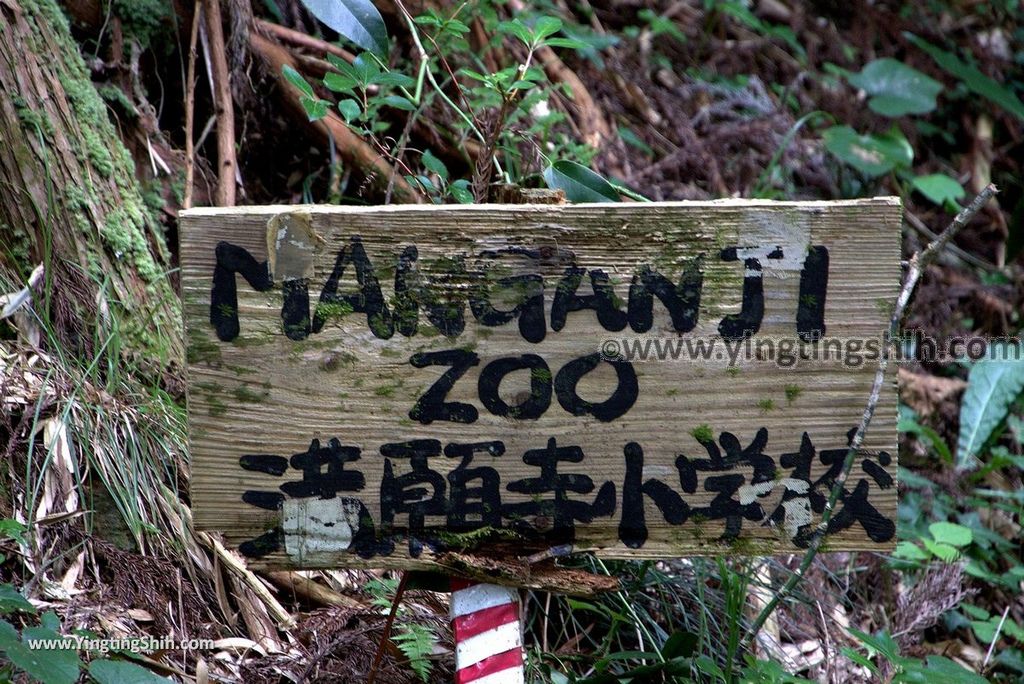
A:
<point x="190" y="106"/>
<point x="225" y="194"/>
<point x="916" y="267"/>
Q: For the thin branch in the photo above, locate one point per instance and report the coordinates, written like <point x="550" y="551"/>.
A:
<point x="226" y="163"/>
<point x="190" y="106"/>
<point x="917" y="265"/>
<point x="303" y="40"/>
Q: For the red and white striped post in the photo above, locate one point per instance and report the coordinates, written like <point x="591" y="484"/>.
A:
<point x="487" y="624"/>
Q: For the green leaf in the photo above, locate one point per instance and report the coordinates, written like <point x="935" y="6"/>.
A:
<point x="122" y="672"/>
<point x="434" y="164"/>
<point x="357" y="20"/>
<point x="12" y="529"/>
<point x="11" y="600"/>
<point x="911" y="426"/>
<point x="681" y="644"/>
<point x="992" y="385"/>
<point x="461" y="192"/>
<point x="296" y="79"/>
<point x="975" y="81"/>
<point x="570" y="43"/>
<point x="399" y="102"/>
<point x="942" y="669"/>
<point x="951" y="533"/>
<point x="395" y="79"/>
<point x="365" y="69"/>
<point x="873" y="155"/>
<point x="579" y="183"/>
<point x="316" y="108"/>
<point x="944" y="552"/>
<point x="939" y="188"/>
<point x="910" y="551"/>
<point x="517" y="29"/>
<point x="349" y="109"/>
<point x="895" y="88"/>
<point x="708" y="666"/>
<point x="48" y="665"/>
<point x="546" y="26"/>
<point x="339" y="83"/>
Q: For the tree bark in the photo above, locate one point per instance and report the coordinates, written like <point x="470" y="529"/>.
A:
<point x="69" y="199"/>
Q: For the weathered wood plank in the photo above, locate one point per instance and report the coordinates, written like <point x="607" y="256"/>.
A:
<point x="262" y="389"/>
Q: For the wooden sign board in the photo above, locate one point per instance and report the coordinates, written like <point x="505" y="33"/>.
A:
<point x="377" y="386"/>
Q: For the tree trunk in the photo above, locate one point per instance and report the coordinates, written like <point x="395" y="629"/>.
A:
<point x="69" y="199"/>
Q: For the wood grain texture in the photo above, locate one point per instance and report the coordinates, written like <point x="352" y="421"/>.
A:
<point x="264" y="393"/>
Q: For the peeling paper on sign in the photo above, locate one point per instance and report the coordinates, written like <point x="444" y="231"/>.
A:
<point x="291" y="244"/>
<point x="316" y="530"/>
<point x="791" y="234"/>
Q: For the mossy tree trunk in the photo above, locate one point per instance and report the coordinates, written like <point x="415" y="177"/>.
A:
<point x="69" y="198"/>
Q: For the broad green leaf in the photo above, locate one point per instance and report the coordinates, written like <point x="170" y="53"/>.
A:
<point x="357" y="20"/>
<point x="579" y="183"/>
<point x="895" y="88"/>
<point x="339" y="83"/>
<point x="394" y="78"/>
<point x="910" y="551"/>
<point x="942" y="669"/>
<point x="708" y="666"/>
<point x="460" y="191"/>
<point x="48" y="665"/>
<point x="434" y="164"/>
<point x="11" y="600"/>
<point x="316" y="108"/>
<point x="122" y="672"/>
<point x="872" y="154"/>
<point x="12" y="529"/>
<point x="349" y="109"/>
<point x="992" y="385"/>
<point x="944" y="552"/>
<point x="546" y="26"/>
<point x="518" y="29"/>
<point x="681" y="644"/>
<point x="881" y="643"/>
<point x="951" y="533"/>
<point x="975" y="81"/>
<point x="296" y="79"/>
<point x="939" y="188"/>
<point x="366" y="69"/>
<point x="399" y="102"/>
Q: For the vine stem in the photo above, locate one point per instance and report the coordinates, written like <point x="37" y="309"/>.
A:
<point x="916" y="268"/>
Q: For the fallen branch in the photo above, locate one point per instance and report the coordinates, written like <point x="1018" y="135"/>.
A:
<point x="312" y="590"/>
<point x="353" y="149"/>
<point x="224" y="107"/>
<point x="917" y="265"/>
<point x="301" y="39"/>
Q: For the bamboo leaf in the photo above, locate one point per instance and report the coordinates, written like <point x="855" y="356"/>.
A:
<point x="579" y="183"/>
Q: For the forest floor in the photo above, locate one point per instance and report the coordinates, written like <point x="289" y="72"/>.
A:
<point x="686" y="100"/>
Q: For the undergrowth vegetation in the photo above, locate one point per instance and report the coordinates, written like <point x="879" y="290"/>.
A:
<point x="606" y="102"/>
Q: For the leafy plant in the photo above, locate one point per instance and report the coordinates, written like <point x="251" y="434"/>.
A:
<point x="931" y="670"/>
<point x="895" y="88"/>
<point x="971" y="77"/>
<point x="992" y="385"/>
